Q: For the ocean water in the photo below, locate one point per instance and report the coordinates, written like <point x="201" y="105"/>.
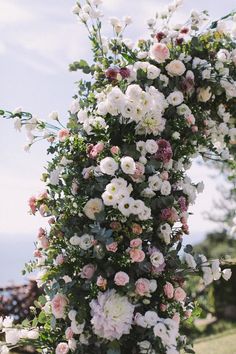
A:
<point x="15" y="251"/>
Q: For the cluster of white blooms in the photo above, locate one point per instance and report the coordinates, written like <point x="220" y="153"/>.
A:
<point x="166" y="329"/>
<point x="117" y="195"/>
<point x="212" y="271"/>
<point x="91" y="122"/>
<point x="145" y="108"/>
<point x="14" y="335"/>
<point x="88" y="11"/>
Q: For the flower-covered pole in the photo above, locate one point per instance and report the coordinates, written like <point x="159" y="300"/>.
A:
<point x="118" y="196"/>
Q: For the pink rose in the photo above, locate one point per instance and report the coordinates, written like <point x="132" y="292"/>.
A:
<point x="179" y="294"/>
<point x="69" y="333"/>
<point x="159" y="52"/>
<point x="59" y="303"/>
<point x="62" y="348"/>
<point x="32" y="204"/>
<point x="37" y="254"/>
<point x="142" y="286"/>
<point x="164" y="175"/>
<point x="194" y="128"/>
<point x="168" y="290"/>
<point x="101" y="282"/>
<point x="43" y="209"/>
<point x="42" y="195"/>
<point x="88" y="271"/>
<point x="63" y="134"/>
<point x="112" y="247"/>
<point x="121" y="278"/>
<point x="137" y="229"/>
<point x="96" y="150"/>
<point x="139" y="172"/>
<point x="44" y="242"/>
<point x="136" y="255"/>
<point x="59" y="259"/>
<point x="115" y="150"/>
<point x="136" y="242"/>
<point x="163" y="307"/>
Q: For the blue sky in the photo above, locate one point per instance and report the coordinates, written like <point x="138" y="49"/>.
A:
<point x="38" y="39"/>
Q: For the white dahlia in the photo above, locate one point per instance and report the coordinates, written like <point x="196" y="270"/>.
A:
<point x="112" y="315"/>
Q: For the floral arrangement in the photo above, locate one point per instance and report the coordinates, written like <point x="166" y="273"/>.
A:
<point x="118" y="196"/>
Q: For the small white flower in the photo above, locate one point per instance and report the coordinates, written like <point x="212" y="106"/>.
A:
<point x="153" y="72"/>
<point x="53" y="115"/>
<point x="75" y="106"/>
<point x="108" y="166"/>
<point x="125" y="206"/>
<point x="75" y="240"/>
<point x="226" y="274"/>
<point x="92" y="207"/>
<point x="151" y="146"/>
<point x="157" y="258"/>
<point x="165" y="188"/>
<point x="151" y="318"/>
<point x="128" y="165"/>
<point x="175" y="98"/>
<point x="190" y="261"/>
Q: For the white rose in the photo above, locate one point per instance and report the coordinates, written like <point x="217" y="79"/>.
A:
<point x="204" y="94"/>
<point x="86" y="241"/>
<point x="226" y="274"/>
<point x="72" y="344"/>
<point x="175" y="68"/>
<point x="155" y="182"/>
<point x="128" y="165"/>
<point x="108" y="166"/>
<point x="153" y="285"/>
<point x="165" y="188"/>
<point x="175" y="98"/>
<point x="152" y="72"/>
<point x="223" y="55"/>
<point x="75" y="240"/>
<point x="151" y="146"/>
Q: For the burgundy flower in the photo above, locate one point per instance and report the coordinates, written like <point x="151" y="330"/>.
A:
<point x="160" y="36"/>
<point x="182" y="203"/>
<point x="112" y="72"/>
<point x="124" y="72"/>
<point x="164" y="151"/>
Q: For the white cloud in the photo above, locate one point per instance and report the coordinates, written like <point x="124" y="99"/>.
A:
<point x="12" y="13"/>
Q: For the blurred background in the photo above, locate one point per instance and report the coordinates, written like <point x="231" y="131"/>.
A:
<point x="38" y="39"/>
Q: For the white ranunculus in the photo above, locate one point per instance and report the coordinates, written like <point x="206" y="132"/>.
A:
<point x="146" y="214"/>
<point x="204" y="94"/>
<point x="153" y="285"/>
<point x="157" y="258"/>
<point x="92" y="207"/>
<point x="165" y="188"/>
<point x="127" y="164"/>
<point x="230" y="88"/>
<point x="153" y="72"/>
<point x="223" y="55"/>
<point x="155" y="182"/>
<point x="175" y="98"/>
<point x="148" y="193"/>
<point x="226" y="274"/>
<point x="151" y="146"/>
<point x="176" y="68"/>
<point x="108" y="166"/>
<point x="160" y="330"/>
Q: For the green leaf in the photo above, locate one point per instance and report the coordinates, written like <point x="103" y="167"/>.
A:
<point x="42" y="317"/>
<point x="80" y="65"/>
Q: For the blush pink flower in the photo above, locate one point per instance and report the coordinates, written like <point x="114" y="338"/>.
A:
<point x="115" y="150"/>
<point x="180" y="294"/>
<point x="112" y="247"/>
<point x="142" y="286"/>
<point x="137" y="229"/>
<point x="139" y="172"/>
<point x="32" y="204"/>
<point x="88" y="271"/>
<point x="59" y="259"/>
<point x="121" y="278"/>
<point x="63" y="134"/>
<point x="69" y="333"/>
<point x="136" y="255"/>
<point x="136" y="242"/>
<point x="95" y="150"/>
<point x="160" y="52"/>
<point x="59" y="303"/>
<point x="176" y="318"/>
<point x="101" y="282"/>
<point x="62" y="348"/>
<point x="168" y="290"/>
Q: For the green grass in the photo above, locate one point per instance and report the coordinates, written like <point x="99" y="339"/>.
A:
<point x="224" y="343"/>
